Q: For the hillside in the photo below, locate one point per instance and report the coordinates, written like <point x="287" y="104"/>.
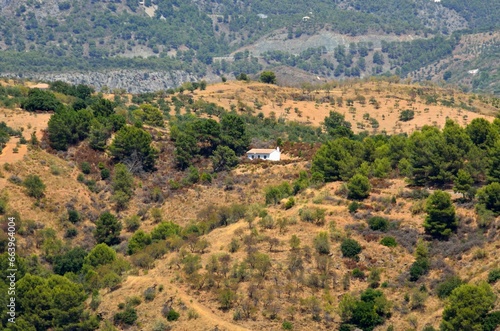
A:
<point x="164" y="43"/>
<point x="185" y="234"/>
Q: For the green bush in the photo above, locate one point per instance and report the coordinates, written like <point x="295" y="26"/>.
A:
<point x="419" y="268"/>
<point x="494" y="275"/>
<point x="105" y="173"/>
<point x="406" y="115"/>
<point x="71" y="233"/>
<point x="73" y="216"/>
<point x="85" y="167"/>
<point x="350" y="248"/>
<point x="274" y="194"/>
<point x="388" y="241"/>
<point x="353" y="207"/>
<point x="447" y="286"/>
<point x="132" y="223"/>
<point x="468" y="305"/>
<point x="3" y="205"/>
<point x="378" y="223"/>
<point x="358" y="273"/>
<point x="491" y="321"/>
<point x="290" y="203"/>
<point x="287" y="325"/>
<point x="312" y="215"/>
<point x="127" y="317"/>
<point x="34" y="186"/>
<point x="322" y="243"/>
<point x="138" y="241"/>
<point x="441" y="221"/>
<point x="173" y="315"/>
<point x="358" y="187"/>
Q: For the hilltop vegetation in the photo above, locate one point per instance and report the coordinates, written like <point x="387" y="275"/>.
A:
<point x="138" y="213"/>
<point x="166" y="35"/>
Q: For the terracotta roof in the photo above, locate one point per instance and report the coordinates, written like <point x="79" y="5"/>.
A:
<point x="260" y="151"/>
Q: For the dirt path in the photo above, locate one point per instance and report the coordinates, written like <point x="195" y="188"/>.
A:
<point x="156" y="277"/>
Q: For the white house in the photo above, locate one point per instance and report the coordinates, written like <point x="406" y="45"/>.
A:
<point x="264" y="154"/>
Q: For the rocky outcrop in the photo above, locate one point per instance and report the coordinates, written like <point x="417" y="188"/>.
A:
<point x="134" y="81"/>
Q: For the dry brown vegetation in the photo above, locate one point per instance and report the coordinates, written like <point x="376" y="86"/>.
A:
<point x="266" y="298"/>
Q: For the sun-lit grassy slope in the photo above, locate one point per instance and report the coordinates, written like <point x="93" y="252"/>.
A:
<point x="382" y="101"/>
<point x="471" y="255"/>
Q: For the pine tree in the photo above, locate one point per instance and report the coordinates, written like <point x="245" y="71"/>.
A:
<point x="463" y="183"/>
<point x="441" y="220"/>
<point x="494" y="166"/>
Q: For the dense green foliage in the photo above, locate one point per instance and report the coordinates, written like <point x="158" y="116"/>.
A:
<point x="441" y="220"/>
<point x="108" y="229"/>
<point x="40" y="100"/>
<point x="80" y="37"/>
<point x="358" y="187"/>
<point x="132" y="146"/>
<point x="350" y="248"/>
<point x="367" y="312"/>
<point x="467" y="307"/>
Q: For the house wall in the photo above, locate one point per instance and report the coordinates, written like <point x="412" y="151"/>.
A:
<point x="274" y="156"/>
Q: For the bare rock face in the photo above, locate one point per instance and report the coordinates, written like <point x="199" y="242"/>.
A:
<point x="134" y="81"/>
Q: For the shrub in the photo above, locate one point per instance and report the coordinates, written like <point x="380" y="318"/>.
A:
<point x="138" y="241"/>
<point x="468" y="305"/>
<point x="350" y="248"/>
<point x="445" y="288"/>
<point x="73" y="216"/>
<point x="378" y="223"/>
<point x="419" y="268"/>
<point x="494" y="275"/>
<point x="85" y="167"/>
<point x="353" y="207"/>
<point x="358" y="187"/>
<point x="105" y="173"/>
<point x="173" y="315"/>
<point x="290" y="203"/>
<point x="128" y="317"/>
<point x="34" y="186"/>
<point x="389" y="241"/>
<point x="274" y="194"/>
<point x="132" y="223"/>
<point x="71" y="233"/>
<point x="149" y="294"/>
<point x="286" y="325"/>
<point x="160" y="326"/>
<point x="322" y="243"/>
<point x="192" y="314"/>
<point x="357" y="273"/>
<point x="3" y="205"/>
<point x="489" y="195"/>
<point x="406" y="115"/>
<point x="313" y="215"/>
<point x="491" y="321"/>
<point x="108" y="229"/>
